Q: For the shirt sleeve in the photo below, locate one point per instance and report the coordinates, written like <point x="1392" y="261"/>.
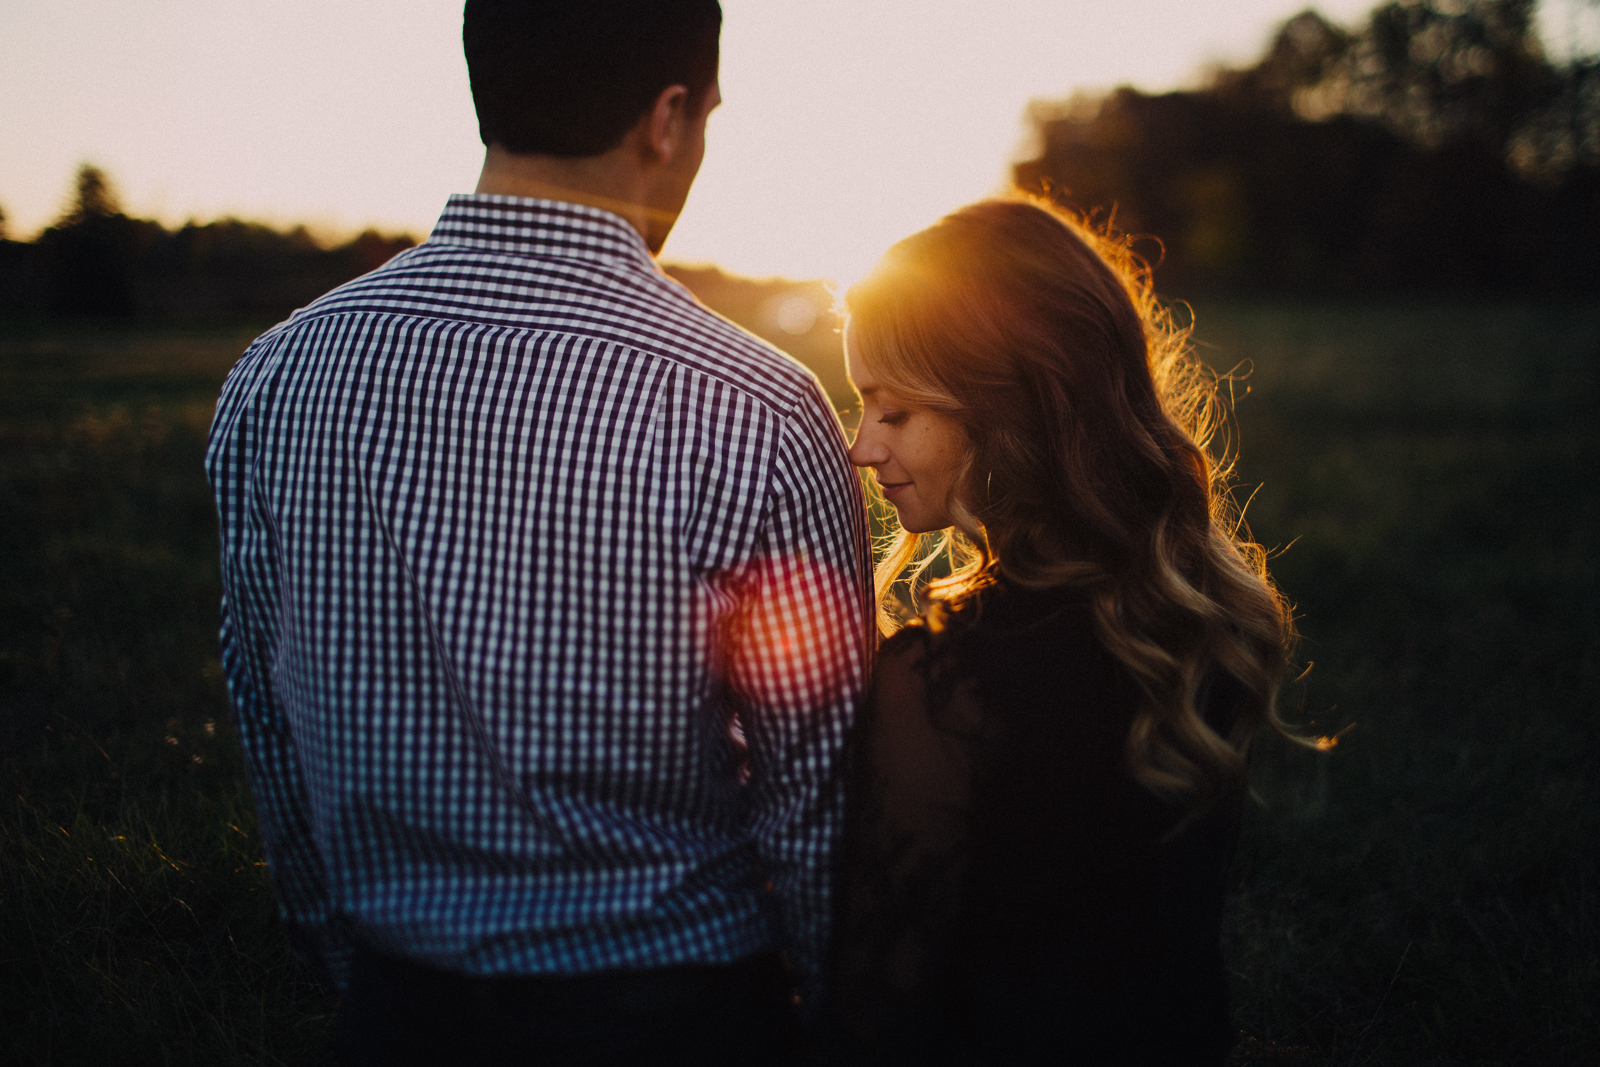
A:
<point x="798" y="654"/>
<point x="250" y="620"/>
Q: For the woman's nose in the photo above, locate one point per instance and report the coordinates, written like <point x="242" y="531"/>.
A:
<point x="866" y="452"/>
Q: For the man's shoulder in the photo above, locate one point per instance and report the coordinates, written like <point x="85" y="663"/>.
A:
<point x="443" y="286"/>
<point x="723" y="349"/>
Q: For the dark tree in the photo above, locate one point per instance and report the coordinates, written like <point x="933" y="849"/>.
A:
<point x="91" y="254"/>
<point x="1307" y="52"/>
<point x="94" y="197"/>
<point x="97" y="261"/>
<point x="1426" y="151"/>
<point x="19" y="277"/>
<point x="1442" y="73"/>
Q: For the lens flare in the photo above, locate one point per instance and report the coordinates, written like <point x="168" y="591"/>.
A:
<point x="791" y="644"/>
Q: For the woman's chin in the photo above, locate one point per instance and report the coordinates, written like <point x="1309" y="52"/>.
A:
<point x="920" y="524"/>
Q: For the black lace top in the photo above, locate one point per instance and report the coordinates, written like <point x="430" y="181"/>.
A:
<point x="1007" y="893"/>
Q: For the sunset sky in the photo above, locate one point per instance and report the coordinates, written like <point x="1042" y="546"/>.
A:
<point x="847" y="123"/>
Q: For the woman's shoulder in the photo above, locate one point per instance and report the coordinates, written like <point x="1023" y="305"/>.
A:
<point x="1002" y="645"/>
<point x="1000" y="614"/>
<point x="915" y="675"/>
<point x="903" y="660"/>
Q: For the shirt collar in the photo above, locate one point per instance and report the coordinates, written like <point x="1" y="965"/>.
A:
<point x="545" y="228"/>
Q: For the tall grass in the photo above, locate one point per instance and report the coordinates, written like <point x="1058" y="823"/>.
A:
<point x="1425" y="893"/>
<point x="135" y="917"/>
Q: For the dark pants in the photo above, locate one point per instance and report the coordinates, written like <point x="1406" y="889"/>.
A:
<point x="403" y="1013"/>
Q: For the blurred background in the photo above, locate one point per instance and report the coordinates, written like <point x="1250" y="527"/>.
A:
<point x="1382" y="223"/>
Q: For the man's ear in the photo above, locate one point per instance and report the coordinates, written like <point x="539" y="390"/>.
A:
<point x="666" y="122"/>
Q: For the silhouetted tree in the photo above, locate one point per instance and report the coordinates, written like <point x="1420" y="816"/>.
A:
<point x="1399" y="157"/>
<point x="96" y="260"/>
<point x="91" y="252"/>
<point x="1442" y="71"/>
<point x="94" y="197"/>
<point x="19" y="276"/>
<point x="235" y="267"/>
<point x="1306" y="52"/>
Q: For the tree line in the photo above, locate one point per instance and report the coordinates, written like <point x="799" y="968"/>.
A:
<point x="1436" y="148"/>
<point x="97" y="261"/>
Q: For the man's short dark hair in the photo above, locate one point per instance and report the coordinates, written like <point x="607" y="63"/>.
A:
<point x="571" y="77"/>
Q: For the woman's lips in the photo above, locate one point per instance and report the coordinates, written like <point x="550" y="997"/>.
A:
<point x="891" y="488"/>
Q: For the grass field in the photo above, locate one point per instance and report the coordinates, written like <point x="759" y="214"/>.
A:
<point x="1426" y="893"/>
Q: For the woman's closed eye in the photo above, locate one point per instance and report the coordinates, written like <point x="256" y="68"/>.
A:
<point x="894" y="418"/>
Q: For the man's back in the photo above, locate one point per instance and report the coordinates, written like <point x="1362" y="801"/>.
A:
<point x="512" y="529"/>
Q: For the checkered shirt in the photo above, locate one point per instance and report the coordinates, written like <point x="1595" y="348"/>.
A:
<point x="546" y="607"/>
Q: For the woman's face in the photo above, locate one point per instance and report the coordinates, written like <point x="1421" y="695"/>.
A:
<point x="913" y="452"/>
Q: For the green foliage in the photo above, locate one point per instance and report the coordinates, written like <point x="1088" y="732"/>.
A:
<point x="1425" y="892"/>
<point x="135" y="915"/>
<point x="144" y="933"/>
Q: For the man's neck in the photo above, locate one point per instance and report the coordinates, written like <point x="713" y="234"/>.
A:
<point x="602" y="181"/>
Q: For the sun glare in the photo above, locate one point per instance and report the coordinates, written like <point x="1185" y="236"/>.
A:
<point x="845" y="126"/>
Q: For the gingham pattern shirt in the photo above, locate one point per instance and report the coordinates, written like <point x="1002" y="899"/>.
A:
<point x="546" y="606"/>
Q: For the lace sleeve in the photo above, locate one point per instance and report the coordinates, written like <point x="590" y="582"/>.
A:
<point x="906" y="845"/>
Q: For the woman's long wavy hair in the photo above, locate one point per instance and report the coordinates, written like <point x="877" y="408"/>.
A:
<point x="1088" y="424"/>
